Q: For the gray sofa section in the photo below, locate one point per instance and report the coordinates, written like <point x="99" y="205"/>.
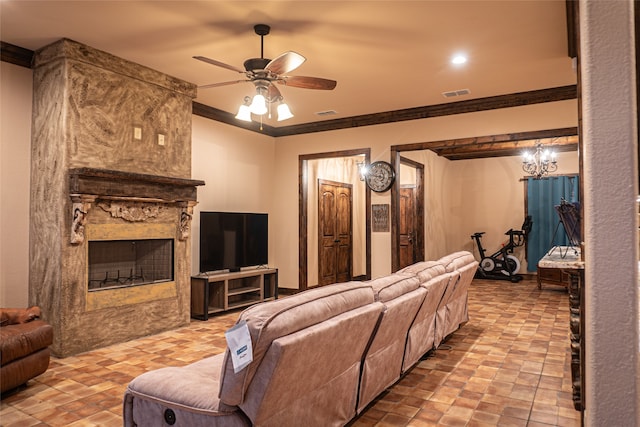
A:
<point x="319" y="357"/>
<point x="402" y="297"/>
<point x="426" y="332"/>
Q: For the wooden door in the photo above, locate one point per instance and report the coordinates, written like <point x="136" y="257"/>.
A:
<point x="407" y="226"/>
<point x="334" y="232"/>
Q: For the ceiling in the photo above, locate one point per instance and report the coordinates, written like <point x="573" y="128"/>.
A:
<point x="385" y="55"/>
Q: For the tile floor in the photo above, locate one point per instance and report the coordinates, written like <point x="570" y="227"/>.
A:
<point x="509" y="366"/>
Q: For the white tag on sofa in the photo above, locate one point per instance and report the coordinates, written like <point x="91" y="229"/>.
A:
<point x="239" y="343"/>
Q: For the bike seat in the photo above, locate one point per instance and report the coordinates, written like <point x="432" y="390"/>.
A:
<point x="478" y="234"/>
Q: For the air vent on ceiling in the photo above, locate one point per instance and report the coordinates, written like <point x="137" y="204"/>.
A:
<point x="326" y="113"/>
<point x="454" y="93"/>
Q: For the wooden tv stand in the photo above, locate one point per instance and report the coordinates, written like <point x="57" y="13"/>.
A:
<point x="219" y="292"/>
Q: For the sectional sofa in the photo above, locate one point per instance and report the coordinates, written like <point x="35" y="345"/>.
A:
<point x="319" y="357"/>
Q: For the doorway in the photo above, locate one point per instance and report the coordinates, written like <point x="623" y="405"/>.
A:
<point x="408" y="231"/>
<point x="335" y="253"/>
<point x="308" y="215"/>
<point x="407" y="225"/>
<point x="542" y="195"/>
<point x="564" y="139"/>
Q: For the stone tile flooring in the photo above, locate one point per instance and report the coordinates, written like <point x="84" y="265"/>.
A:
<point x="509" y="366"/>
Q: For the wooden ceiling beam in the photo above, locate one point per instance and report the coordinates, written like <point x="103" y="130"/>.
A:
<point x="507" y="148"/>
<point x="508" y="137"/>
<point x="510" y="144"/>
<point x="15" y="55"/>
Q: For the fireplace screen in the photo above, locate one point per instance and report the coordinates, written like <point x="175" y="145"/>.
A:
<point x="122" y="263"/>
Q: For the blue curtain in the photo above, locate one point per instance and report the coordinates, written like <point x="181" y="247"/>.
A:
<point x="542" y="196"/>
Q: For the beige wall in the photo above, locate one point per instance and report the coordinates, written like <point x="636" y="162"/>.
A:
<point x="15" y="163"/>
<point x="492" y="199"/>
<point x="237" y="167"/>
<point x="247" y="171"/>
<point x="453" y="206"/>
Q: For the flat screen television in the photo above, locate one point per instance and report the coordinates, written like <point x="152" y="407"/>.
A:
<point x="232" y="240"/>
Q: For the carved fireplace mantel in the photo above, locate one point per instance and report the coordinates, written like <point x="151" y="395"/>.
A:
<point x="130" y="196"/>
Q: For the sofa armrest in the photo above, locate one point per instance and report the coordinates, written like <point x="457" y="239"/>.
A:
<point x="20" y="340"/>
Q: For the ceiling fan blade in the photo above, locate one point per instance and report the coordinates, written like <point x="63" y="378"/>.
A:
<point x="221" y="84"/>
<point x="285" y="63"/>
<point x="218" y="63"/>
<point x="308" y="82"/>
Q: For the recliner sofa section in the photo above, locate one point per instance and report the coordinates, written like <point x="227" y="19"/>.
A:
<point x="456" y="309"/>
<point x="402" y="297"/>
<point x="424" y="334"/>
<point x="307" y="355"/>
<point x="319" y="357"/>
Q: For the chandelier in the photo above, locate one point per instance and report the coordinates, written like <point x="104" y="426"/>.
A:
<point x="539" y="163"/>
<point x="261" y="103"/>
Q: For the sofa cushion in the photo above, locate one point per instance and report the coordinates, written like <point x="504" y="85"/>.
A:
<point x="387" y="288"/>
<point x="188" y="392"/>
<point x="184" y="385"/>
<point x="425" y="270"/>
<point x="457" y="260"/>
<point x="22" y="339"/>
<point x="14" y="316"/>
<point x="271" y="320"/>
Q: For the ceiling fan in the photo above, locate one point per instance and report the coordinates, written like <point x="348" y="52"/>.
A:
<point x="263" y="73"/>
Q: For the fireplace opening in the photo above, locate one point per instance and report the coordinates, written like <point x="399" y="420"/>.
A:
<point x="124" y="263"/>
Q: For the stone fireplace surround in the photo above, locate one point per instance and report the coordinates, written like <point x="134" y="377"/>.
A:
<point x="129" y="207"/>
<point x="97" y="123"/>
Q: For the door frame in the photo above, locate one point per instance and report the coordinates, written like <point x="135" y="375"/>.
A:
<point x="397" y="160"/>
<point x="303" y="196"/>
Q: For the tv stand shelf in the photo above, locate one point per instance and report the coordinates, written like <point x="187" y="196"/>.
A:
<point x="215" y="293"/>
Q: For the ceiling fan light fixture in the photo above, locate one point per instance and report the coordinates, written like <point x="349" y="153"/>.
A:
<point x="258" y="105"/>
<point x="244" y="112"/>
<point x="264" y="73"/>
<point x="284" y="112"/>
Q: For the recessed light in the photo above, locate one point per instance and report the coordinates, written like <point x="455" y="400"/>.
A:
<point x="459" y="59"/>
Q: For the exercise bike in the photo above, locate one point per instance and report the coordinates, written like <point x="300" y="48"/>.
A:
<point x="502" y="265"/>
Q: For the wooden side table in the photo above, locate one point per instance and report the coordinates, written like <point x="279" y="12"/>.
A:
<point x="554" y="266"/>
<point x="564" y="266"/>
<point x="552" y="276"/>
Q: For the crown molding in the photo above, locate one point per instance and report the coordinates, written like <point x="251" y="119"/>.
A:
<point x="15" y="54"/>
